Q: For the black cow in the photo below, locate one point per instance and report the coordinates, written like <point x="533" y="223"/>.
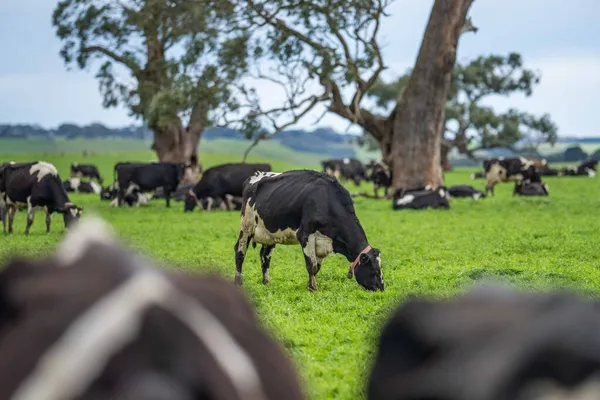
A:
<point x="493" y="343"/>
<point x="86" y="171"/>
<point x="508" y="169"/>
<point x="34" y="186"/>
<point x="345" y="169"/>
<point x="76" y="185"/>
<point x="148" y="177"/>
<point x="381" y="176"/>
<point x="528" y="188"/>
<point x="307" y="208"/>
<point x="120" y="327"/>
<point x="222" y="180"/>
<point x="420" y="198"/>
<point x="465" y="191"/>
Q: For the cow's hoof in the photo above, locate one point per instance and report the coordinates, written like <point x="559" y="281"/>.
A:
<point x="349" y="275"/>
<point x="266" y="281"/>
<point x="312" y="288"/>
<point x="237" y="280"/>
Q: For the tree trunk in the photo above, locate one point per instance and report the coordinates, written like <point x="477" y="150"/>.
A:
<point x="176" y="144"/>
<point x="445" y="149"/>
<point x="418" y="120"/>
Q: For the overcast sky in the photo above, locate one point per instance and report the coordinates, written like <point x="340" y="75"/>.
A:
<point x="556" y="37"/>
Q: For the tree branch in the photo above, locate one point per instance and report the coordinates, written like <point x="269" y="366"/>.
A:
<point x="129" y="63"/>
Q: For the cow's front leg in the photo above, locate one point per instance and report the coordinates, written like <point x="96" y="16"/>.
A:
<point x="30" y="218"/>
<point x="12" y="210"/>
<point x="376" y="191"/>
<point x="266" y="252"/>
<point x="168" y="198"/>
<point x="227" y="201"/>
<point x="48" y="221"/>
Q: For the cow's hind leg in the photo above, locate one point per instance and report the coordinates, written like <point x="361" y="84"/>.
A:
<point x="48" y="221"/>
<point x="266" y="252"/>
<point x="30" y="218"/>
<point x="241" y="246"/>
<point x="3" y="215"/>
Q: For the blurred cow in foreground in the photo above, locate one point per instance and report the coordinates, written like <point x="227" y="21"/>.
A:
<point x="98" y="322"/>
<point x="491" y="344"/>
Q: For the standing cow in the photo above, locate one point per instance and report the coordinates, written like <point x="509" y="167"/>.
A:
<point x="313" y="210"/>
<point x="508" y="169"/>
<point x="34" y="186"/>
<point x="86" y="171"/>
<point x="381" y="176"/>
<point x="345" y="169"/>
<point x="146" y="177"/>
<point x="222" y="182"/>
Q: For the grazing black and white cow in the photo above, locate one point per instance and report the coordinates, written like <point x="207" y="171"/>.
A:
<point x="34" y="186"/>
<point x="494" y="343"/>
<point x="148" y="177"/>
<point x="528" y="188"/>
<point x="307" y="208"/>
<point x="76" y="185"/>
<point x="222" y="182"/>
<point x="381" y="176"/>
<point x="508" y="169"/>
<point x="86" y="171"/>
<point x="465" y="191"/>
<point x="96" y="321"/>
<point x="420" y="198"/>
<point x="345" y="169"/>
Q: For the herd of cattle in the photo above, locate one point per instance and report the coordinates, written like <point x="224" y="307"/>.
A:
<point x="96" y="321"/>
<point x="302" y="207"/>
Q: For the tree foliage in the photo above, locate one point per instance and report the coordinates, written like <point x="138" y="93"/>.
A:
<point x="164" y="60"/>
<point x="467" y="119"/>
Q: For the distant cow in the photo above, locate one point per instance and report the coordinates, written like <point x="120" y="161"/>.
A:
<point x="34" y="186"/>
<point x="587" y="168"/>
<point x="465" y="191"/>
<point x="96" y="321"/>
<point x="86" y="171"/>
<point x="478" y="175"/>
<point x="421" y="198"/>
<point x="313" y="210"/>
<point x="381" y="176"/>
<point x="550" y="172"/>
<point x="148" y="177"/>
<point x="222" y="180"/>
<point x="508" y="169"/>
<point x="76" y="185"/>
<point x="527" y="188"/>
<point x="345" y="169"/>
<point x="109" y="192"/>
<point x="493" y="343"/>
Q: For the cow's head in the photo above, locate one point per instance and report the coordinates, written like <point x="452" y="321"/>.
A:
<point x="71" y="214"/>
<point x="191" y="200"/>
<point x="368" y="272"/>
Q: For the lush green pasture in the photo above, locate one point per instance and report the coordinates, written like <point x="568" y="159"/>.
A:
<point x="535" y="243"/>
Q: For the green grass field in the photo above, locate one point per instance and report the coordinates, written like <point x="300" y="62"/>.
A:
<point x="534" y="243"/>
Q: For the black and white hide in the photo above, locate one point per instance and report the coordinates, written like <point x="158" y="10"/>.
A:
<point x="420" y="199"/>
<point x="493" y="343"/>
<point x="508" y="169"/>
<point x="465" y="191"/>
<point x="220" y="184"/>
<point x="96" y="321"/>
<point x="86" y="171"/>
<point x="527" y="188"/>
<point x="147" y="178"/>
<point x="313" y="210"/>
<point x="34" y="186"/>
<point x="77" y="186"/>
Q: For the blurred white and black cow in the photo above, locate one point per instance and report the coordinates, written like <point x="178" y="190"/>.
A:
<point x="465" y="191"/>
<point x="96" y="321"/>
<point x="86" y="171"/>
<point x="345" y="169"/>
<point x="221" y="184"/>
<point x="528" y="188"/>
<point x="77" y="186"/>
<point x="381" y="176"/>
<point x="420" y="198"/>
<point x="34" y="186"/>
<point x="586" y="168"/>
<point x="147" y="177"/>
<point x="307" y="208"/>
<point x="508" y="169"/>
